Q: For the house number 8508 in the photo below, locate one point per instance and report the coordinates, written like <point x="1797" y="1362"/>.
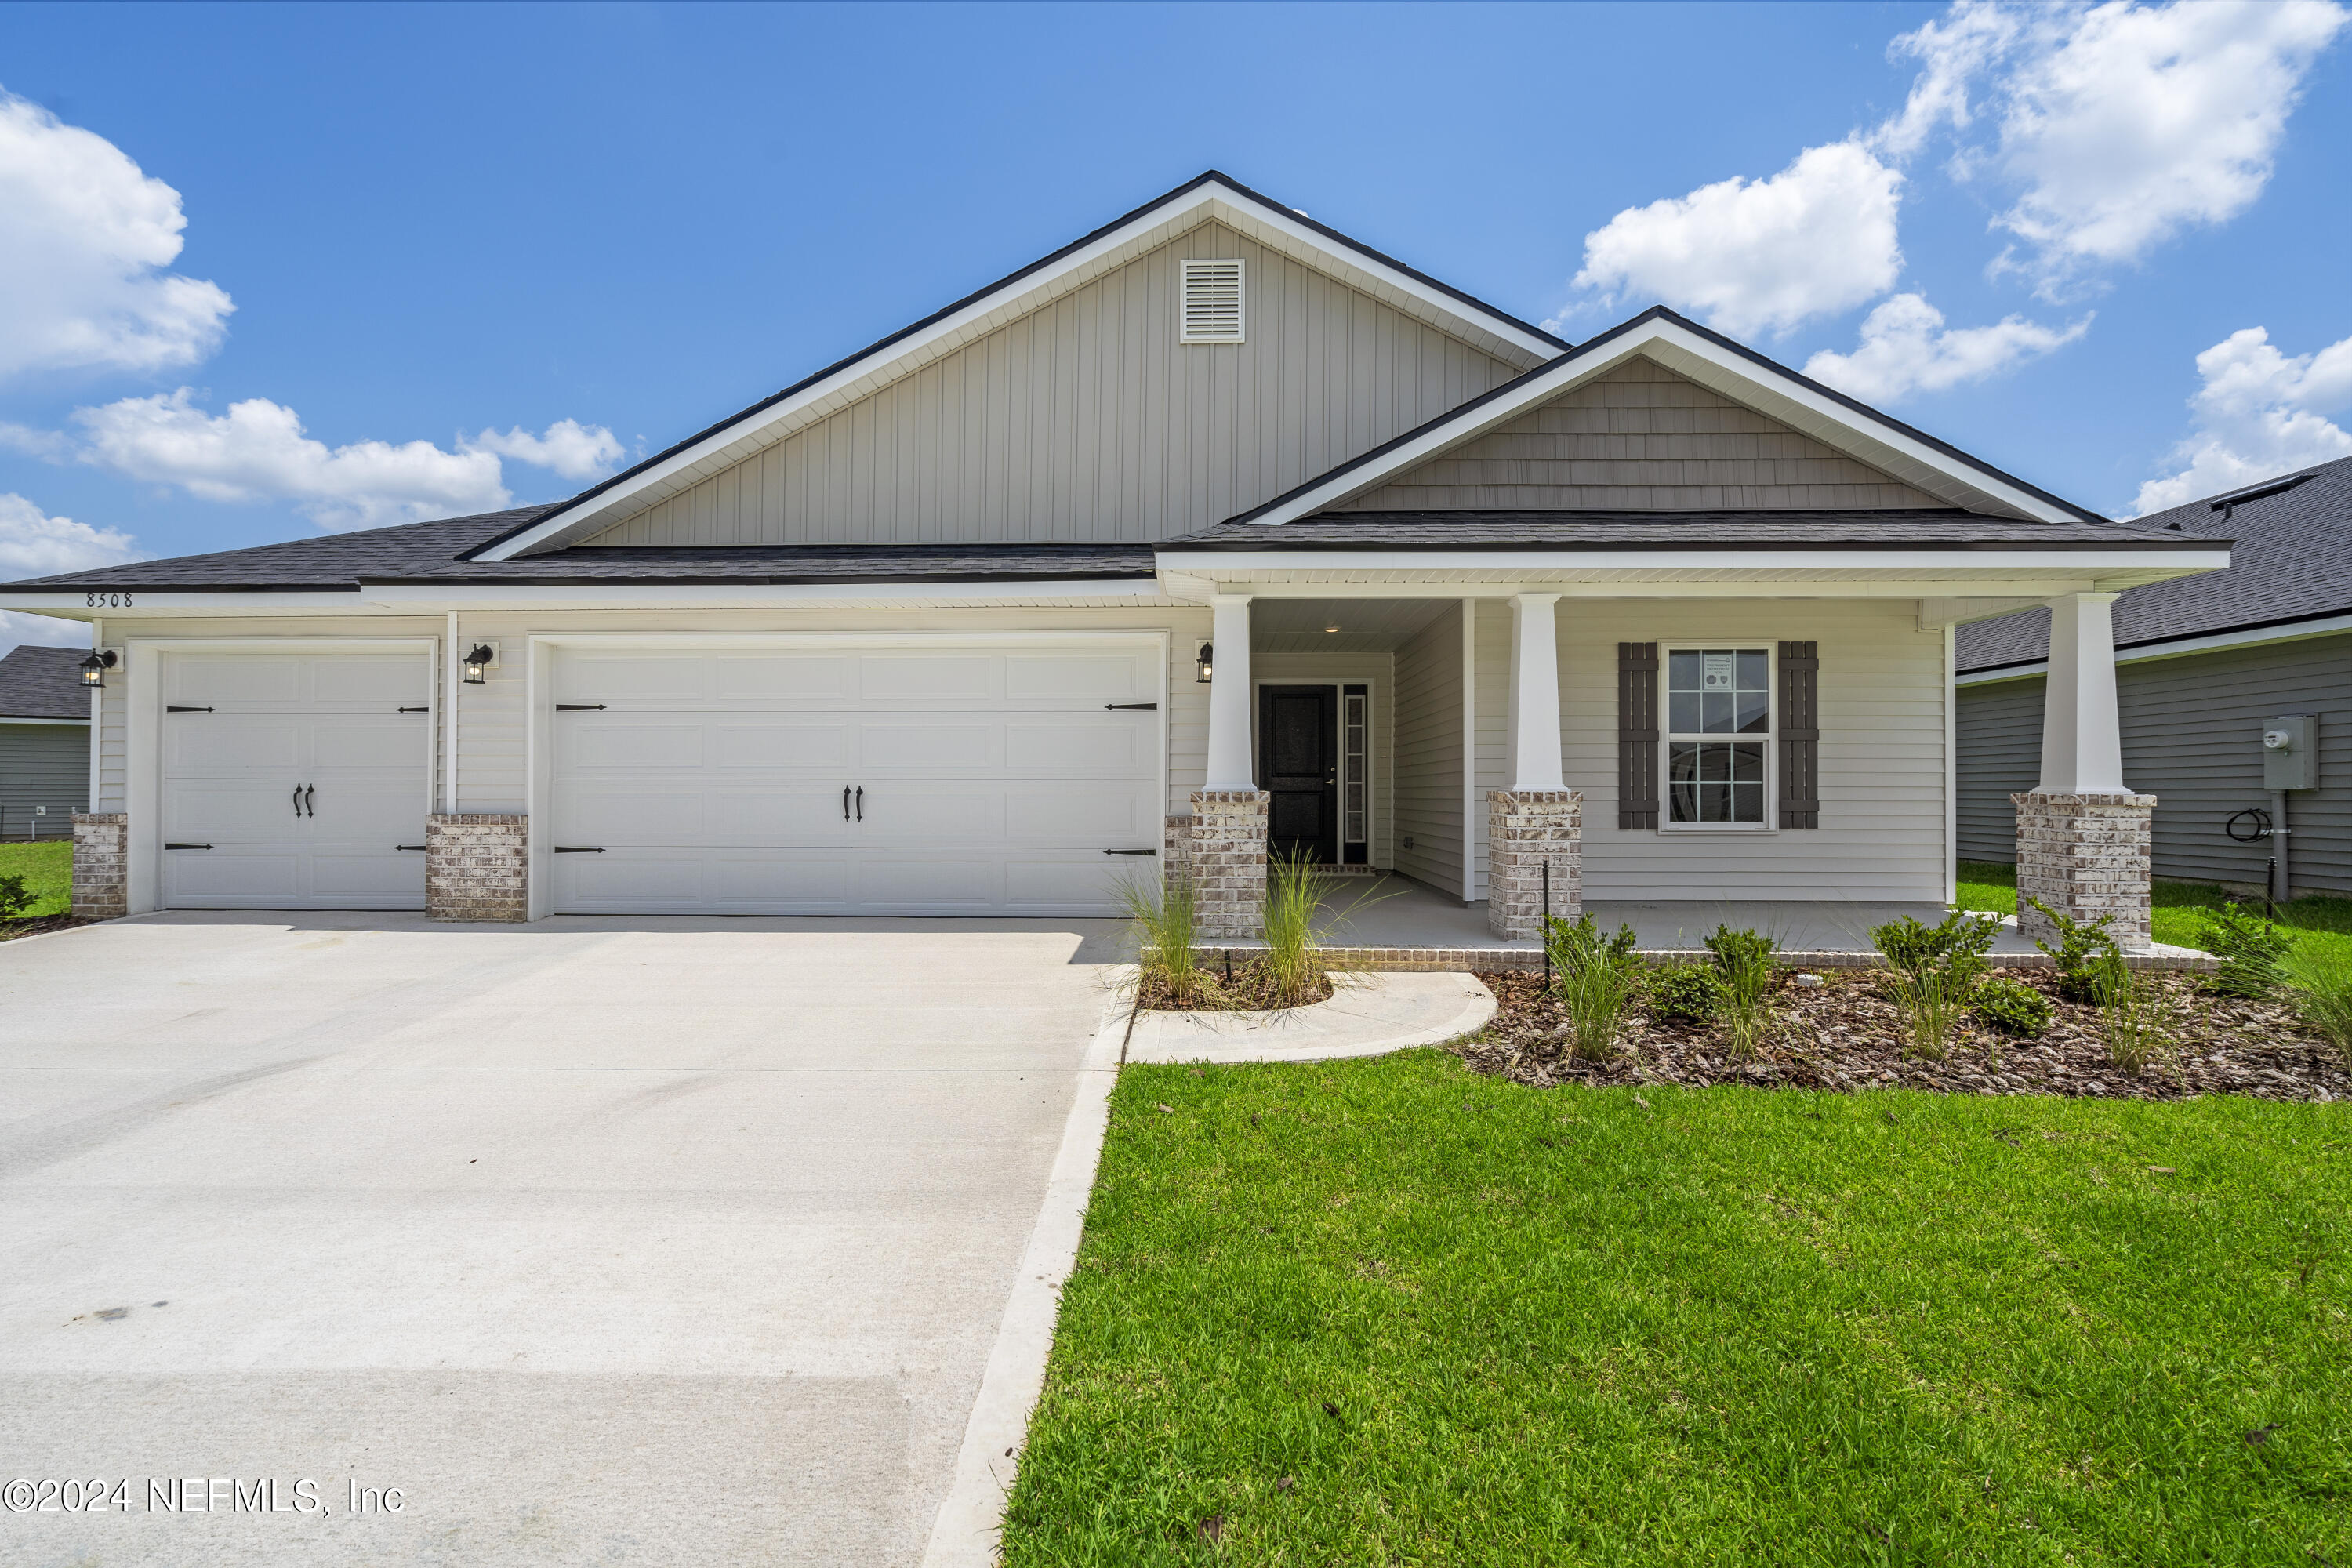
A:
<point x="106" y="601"/>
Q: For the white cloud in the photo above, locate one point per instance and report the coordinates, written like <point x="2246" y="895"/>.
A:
<point x="257" y="451"/>
<point x="568" y="447"/>
<point x="1906" y="348"/>
<point x="33" y="545"/>
<point x="2259" y="414"/>
<point x="2118" y="125"/>
<point x="85" y="239"/>
<point x="1750" y="255"/>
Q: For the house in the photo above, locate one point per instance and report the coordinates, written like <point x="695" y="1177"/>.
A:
<point x="2203" y="665"/>
<point x="44" y="742"/>
<point x="1213" y="529"/>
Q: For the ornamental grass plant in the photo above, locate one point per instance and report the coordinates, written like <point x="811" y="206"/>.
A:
<point x="1164" y="913"/>
<point x="1743" y="961"/>
<point x="1596" y="977"/>
<point x="2320" y="982"/>
<point x="1935" y="971"/>
<point x="1295" y="887"/>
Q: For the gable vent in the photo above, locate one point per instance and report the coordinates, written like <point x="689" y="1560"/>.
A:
<point x="1211" y="302"/>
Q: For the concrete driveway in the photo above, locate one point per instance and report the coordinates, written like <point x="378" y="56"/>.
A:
<point x="601" y="1241"/>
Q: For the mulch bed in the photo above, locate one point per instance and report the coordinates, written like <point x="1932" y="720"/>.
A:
<point x="1846" y="1035"/>
<point x="11" y="929"/>
<point x="1250" y="990"/>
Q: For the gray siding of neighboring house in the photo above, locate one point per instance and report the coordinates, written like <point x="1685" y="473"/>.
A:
<point x="1428" y="803"/>
<point x="1087" y="419"/>
<point x="42" y="765"/>
<point x="1641" y="438"/>
<point x="2192" y="734"/>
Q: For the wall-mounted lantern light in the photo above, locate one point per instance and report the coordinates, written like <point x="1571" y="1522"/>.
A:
<point x="1207" y="663"/>
<point x="478" y="664"/>
<point x="94" y="667"/>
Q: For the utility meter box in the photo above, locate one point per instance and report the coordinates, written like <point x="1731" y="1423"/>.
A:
<point x="2291" y="751"/>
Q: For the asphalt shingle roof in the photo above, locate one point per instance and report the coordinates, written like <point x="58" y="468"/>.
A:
<point x="1873" y="529"/>
<point x="2292" y="561"/>
<point x="38" y="682"/>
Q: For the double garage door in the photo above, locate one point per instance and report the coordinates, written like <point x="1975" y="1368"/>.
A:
<point x="939" y="777"/>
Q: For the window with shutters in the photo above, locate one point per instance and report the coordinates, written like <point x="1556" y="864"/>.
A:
<point x="1212" y="305"/>
<point x="1717" y="736"/>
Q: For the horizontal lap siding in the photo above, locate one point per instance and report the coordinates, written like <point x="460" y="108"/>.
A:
<point x="1428" y="769"/>
<point x="42" y="765"/>
<point x="1882" y="754"/>
<point x="1999" y="747"/>
<point x="1087" y="420"/>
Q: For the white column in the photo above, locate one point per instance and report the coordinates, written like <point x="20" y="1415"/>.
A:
<point x="1229" y="696"/>
<point x="2082" y="742"/>
<point x="1534" y="755"/>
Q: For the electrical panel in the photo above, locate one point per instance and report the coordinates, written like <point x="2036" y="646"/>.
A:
<point x="2291" y="751"/>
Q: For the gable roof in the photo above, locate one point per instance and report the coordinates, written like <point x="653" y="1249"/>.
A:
<point x="2292" y="561"/>
<point x="38" y="682"/>
<point x="1210" y="195"/>
<point x="1731" y="368"/>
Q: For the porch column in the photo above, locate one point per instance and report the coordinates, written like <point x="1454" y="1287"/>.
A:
<point x="2082" y="834"/>
<point x="1227" y="863"/>
<point x="1536" y="824"/>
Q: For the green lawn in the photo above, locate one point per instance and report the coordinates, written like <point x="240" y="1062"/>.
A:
<point x="47" y="871"/>
<point x="2326" y="923"/>
<point x="1480" y="1323"/>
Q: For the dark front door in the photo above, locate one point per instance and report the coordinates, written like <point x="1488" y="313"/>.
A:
<point x="1299" y="765"/>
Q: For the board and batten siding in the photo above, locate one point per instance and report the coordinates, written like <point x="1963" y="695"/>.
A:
<point x="1641" y="438"/>
<point x="1377" y="671"/>
<point x="2192" y="736"/>
<point x="1428" y="820"/>
<point x="1087" y="420"/>
<point x="42" y="765"/>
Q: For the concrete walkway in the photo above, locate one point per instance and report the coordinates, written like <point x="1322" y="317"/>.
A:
<point x="611" y="1241"/>
<point x="1366" y="1015"/>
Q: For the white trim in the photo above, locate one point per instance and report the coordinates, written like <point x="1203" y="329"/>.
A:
<point x="6" y="720"/>
<point x="98" y="719"/>
<point x="2297" y="631"/>
<point x="449" y="674"/>
<point x="1951" y="768"/>
<point x="1904" y="455"/>
<point x="1471" y="815"/>
<point x="1770" y="648"/>
<point x="1505" y="565"/>
<point x="748" y="595"/>
<point x="1202" y="201"/>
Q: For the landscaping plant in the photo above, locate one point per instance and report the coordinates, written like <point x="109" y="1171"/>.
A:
<point x="1596" y="976"/>
<point x="2134" y="1021"/>
<point x="1937" y="971"/>
<point x="2250" y="948"/>
<point x="1743" y="962"/>
<point x="2011" y="1007"/>
<point x="1164" y="912"/>
<point x="2083" y="947"/>
<point x="15" y="899"/>
<point x="2320" y="982"/>
<point x="1686" y="994"/>
<point x="1295" y="887"/>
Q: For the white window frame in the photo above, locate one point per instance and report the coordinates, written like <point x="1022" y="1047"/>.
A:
<point x="1770" y="738"/>
<point x="1184" y="334"/>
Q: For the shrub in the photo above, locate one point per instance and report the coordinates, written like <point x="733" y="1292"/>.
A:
<point x="1937" y="971"/>
<point x="2250" y="949"/>
<point x="1596" y="976"/>
<point x="2011" y="1007"/>
<point x="1743" y="962"/>
<point x="1164" y="913"/>
<point x="2083" y="947"/>
<point x="15" y="897"/>
<point x="1686" y="994"/>
<point x="2133" y="1018"/>
<point x="2320" y="982"/>
<point x="1295" y="889"/>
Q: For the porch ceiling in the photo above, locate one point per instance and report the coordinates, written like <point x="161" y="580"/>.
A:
<point x="1365" y="625"/>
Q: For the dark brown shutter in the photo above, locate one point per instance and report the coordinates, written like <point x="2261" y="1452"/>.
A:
<point x="1637" y="734"/>
<point x="1800" y="734"/>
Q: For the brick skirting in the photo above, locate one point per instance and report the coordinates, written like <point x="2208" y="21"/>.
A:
<point x="101" y="865"/>
<point x="476" y="867"/>
<point x="1526" y="831"/>
<point x="1227" y="862"/>
<point x="2085" y="856"/>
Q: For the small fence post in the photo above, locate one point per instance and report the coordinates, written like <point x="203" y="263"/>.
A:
<point x="1544" y="932"/>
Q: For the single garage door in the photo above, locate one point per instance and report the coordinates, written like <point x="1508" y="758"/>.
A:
<point x="295" y="780"/>
<point x="947" y="778"/>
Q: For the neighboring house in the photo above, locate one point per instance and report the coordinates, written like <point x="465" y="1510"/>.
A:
<point x="44" y="742"/>
<point x="974" y="620"/>
<point x="2202" y="663"/>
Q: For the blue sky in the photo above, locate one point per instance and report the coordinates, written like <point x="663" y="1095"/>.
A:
<point x="447" y="231"/>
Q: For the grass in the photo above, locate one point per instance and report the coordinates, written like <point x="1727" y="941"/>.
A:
<point x="1474" y="1322"/>
<point x="47" y="869"/>
<point x="2323" y="921"/>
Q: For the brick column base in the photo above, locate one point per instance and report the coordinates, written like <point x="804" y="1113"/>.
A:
<point x="476" y="866"/>
<point x="2085" y="856"/>
<point x="101" y="865"/>
<point x="1227" y="862"/>
<point x="1176" y="848"/>
<point x="1527" y="830"/>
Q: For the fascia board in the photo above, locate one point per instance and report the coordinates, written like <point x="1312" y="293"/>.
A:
<point x="72" y="605"/>
<point x="1684" y="352"/>
<point x="1238" y="565"/>
<point x="2257" y="636"/>
<point x="423" y="597"/>
<point x="14" y="718"/>
<point x="1210" y="199"/>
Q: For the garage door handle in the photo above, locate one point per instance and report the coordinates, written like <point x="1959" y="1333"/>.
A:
<point x="1145" y="707"/>
<point x="298" y="800"/>
<point x="579" y="707"/>
<point x="416" y="846"/>
<point x="580" y="849"/>
<point x="309" y="800"/>
<point x="844" y="803"/>
<point x="187" y="845"/>
<point x="861" y="803"/>
<point x="411" y="709"/>
<point x="169" y="708"/>
<point x="1130" y="851"/>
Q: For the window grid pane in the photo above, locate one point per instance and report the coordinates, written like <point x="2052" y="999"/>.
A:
<point x="1715" y="782"/>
